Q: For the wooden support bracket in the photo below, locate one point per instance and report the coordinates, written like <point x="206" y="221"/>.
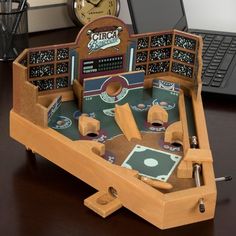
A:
<point x="199" y="155"/>
<point x="103" y="204"/>
<point x="185" y="170"/>
<point x="156" y="183"/>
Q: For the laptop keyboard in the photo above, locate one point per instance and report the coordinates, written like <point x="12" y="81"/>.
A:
<point x="218" y="52"/>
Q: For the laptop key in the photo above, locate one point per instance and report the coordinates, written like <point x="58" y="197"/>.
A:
<point x="217" y="79"/>
<point x="211" y="54"/>
<point x="218" y="38"/>
<point x="223" y="47"/>
<point x="215" y="84"/>
<point x="227" y="39"/>
<point x="214" y="63"/>
<point x="211" y="67"/>
<point x="210" y="36"/>
<point x="220" y="54"/>
<point x="219" y="76"/>
<point x="220" y="51"/>
<point x="231" y="51"/>
<point x="206" y="80"/>
<point x="207" y="58"/>
<point x="226" y="62"/>
<point x="218" y="58"/>
<point x="221" y="72"/>
<point x="210" y="71"/>
<point x="202" y="35"/>
<point x="209" y="74"/>
<point x="225" y="44"/>
<point x="206" y="62"/>
<point x="213" y="48"/>
<point x="232" y="47"/>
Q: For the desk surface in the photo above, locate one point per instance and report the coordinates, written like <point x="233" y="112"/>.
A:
<point x="38" y="198"/>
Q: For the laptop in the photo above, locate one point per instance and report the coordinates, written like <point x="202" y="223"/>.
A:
<point x="219" y="60"/>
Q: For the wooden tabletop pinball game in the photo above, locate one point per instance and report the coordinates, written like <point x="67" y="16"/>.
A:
<point x="124" y="114"/>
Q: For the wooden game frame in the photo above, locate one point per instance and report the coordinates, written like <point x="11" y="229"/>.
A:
<point x="116" y="185"/>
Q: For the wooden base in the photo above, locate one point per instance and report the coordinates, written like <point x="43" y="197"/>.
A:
<point x="81" y="158"/>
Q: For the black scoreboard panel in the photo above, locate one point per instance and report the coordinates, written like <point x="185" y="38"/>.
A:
<point x="101" y="65"/>
<point x="166" y="52"/>
<point x="49" y="68"/>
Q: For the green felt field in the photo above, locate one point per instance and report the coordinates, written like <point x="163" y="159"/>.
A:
<point x="65" y="119"/>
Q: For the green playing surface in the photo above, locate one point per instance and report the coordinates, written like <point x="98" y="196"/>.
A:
<point x="149" y="162"/>
<point x="65" y="119"/>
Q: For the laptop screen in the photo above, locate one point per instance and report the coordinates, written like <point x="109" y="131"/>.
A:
<point x="157" y="15"/>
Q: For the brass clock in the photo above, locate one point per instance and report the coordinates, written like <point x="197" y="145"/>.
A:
<point x="84" y="11"/>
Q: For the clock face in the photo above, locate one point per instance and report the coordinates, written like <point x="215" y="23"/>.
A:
<point x="88" y="10"/>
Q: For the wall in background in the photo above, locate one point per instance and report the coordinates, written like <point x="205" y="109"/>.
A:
<point x="211" y="14"/>
<point x="47" y="15"/>
<point x="37" y="3"/>
<point x="52" y="14"/>
<point x="204" y="14"/>
<point x="124" y="12"/>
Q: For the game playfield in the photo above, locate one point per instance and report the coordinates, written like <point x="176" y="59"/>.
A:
<point x="118" y="151"/>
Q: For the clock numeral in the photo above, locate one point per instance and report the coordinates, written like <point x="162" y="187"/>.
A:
<point x="109" y="12"/>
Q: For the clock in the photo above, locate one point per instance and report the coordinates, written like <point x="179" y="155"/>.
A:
<point x="84" y="11"/>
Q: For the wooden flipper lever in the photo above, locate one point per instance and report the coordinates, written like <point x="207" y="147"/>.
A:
<point x="156" y="183"/>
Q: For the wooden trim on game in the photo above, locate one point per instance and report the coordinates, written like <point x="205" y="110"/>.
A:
<point x="26" y="99"/>
<point x="25" y="96"/>
<point x="183" y="119"/>
<point x="200" y="121"/>
<point x="186" y="82"/>
<point x="201" y="154"/>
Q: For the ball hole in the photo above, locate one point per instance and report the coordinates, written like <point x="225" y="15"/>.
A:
<point x="112" y="191"/>
<point x="176" y="144"/>
<point x="113" y="88"/>
<point x="92" y="135"/>
<point x="157" y="124"/>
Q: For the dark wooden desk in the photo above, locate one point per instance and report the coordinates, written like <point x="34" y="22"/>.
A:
<point x="38" y="198"/>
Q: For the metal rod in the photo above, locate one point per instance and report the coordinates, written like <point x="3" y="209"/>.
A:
<point x="225" y="178"/>
<point x="196" y="171"/>
<point x="201" y="205"/>
<point x="193" y="142"/>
